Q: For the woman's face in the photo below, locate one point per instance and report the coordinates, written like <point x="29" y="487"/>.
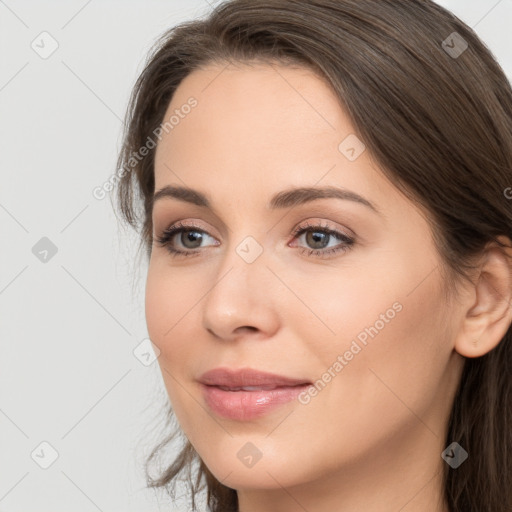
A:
<point x="354" y="303"/>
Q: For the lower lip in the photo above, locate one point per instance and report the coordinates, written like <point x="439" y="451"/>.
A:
<point x="246" y="405"/>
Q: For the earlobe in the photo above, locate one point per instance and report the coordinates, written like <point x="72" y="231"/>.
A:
<point x="489" y="315"/>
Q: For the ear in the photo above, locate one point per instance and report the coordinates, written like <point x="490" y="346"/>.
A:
<point x="489" y="312"/>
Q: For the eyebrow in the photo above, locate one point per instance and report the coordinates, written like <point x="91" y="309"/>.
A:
<point x="284" y="199"/>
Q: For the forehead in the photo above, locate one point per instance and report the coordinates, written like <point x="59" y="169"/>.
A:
<point x="258" y="129"/>
<point x="255" y="104"/>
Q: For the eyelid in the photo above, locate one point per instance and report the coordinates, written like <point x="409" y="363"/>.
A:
<point x="318" y="222"/>
<point x="300" y="226"/>
<point x="187" y="213"/>
<point x="186" y="222"/>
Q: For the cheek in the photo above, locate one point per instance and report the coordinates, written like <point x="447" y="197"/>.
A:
<point x="169" y="304"/>
<point x="389" y="325"/>
<point x="395" y="344"/>
<point x="336" y="308"/>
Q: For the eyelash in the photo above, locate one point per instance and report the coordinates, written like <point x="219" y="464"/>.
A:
<point x="347" y="242"/>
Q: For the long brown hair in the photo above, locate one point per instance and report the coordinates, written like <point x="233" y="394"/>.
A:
<point x="437" y="118"/>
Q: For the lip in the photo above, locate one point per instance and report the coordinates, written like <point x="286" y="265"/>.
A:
<point x="222" y="393"/>
<point x="247" y="377"/>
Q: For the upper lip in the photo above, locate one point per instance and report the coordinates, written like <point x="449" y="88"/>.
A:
<point x="247" y="377"/>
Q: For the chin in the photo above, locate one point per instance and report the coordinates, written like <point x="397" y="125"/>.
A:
<point x="242" y="463"/>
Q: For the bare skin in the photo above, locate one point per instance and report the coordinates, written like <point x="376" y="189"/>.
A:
<point x="372" y="438"/>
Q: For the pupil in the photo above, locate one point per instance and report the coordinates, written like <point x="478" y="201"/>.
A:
<point x="317" y="237"/>
<point x="191" y="236"/>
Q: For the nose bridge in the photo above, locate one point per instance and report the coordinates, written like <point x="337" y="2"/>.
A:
<point x="240" y="295"/>
<point x="238" y="274"/>
<point x="245" y="254"/>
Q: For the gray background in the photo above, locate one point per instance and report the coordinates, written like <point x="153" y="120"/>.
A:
<point x="69" y="326"/>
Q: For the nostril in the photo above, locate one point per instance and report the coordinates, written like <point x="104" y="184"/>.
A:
<point x="249" y="328"/>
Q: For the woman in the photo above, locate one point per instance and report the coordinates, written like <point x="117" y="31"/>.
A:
<point x="326" y="209"/>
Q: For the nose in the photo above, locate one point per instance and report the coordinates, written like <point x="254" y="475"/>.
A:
<point x="242" y="300"/>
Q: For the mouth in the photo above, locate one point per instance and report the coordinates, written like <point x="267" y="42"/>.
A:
<point x="248" y="394"/>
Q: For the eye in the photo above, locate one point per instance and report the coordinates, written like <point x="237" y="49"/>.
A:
<point x="190" y="237"/>
<point x="319" y="237"/>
